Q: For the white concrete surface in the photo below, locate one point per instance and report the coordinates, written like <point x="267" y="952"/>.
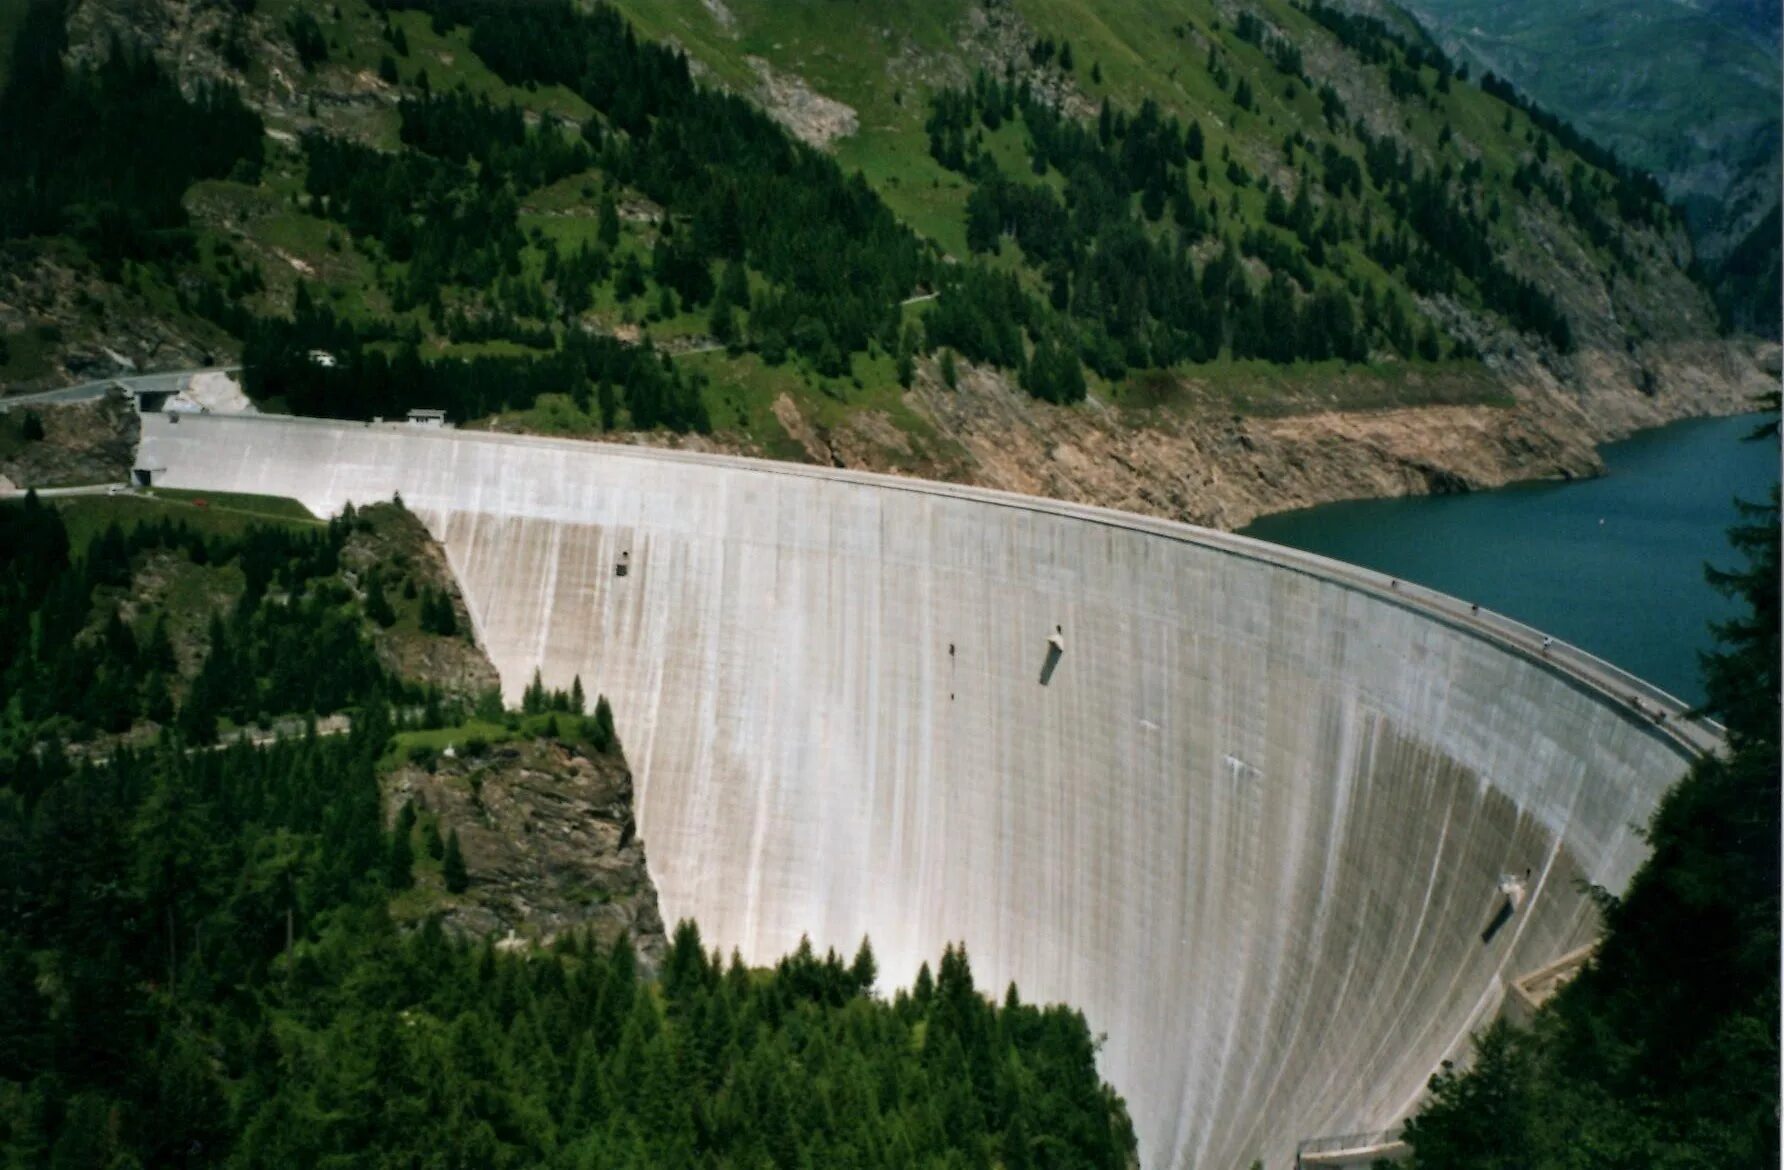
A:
<point x="1253" y="826"/>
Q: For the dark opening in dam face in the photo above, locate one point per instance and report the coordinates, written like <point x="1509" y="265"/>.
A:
<point x="1249" y="811"/>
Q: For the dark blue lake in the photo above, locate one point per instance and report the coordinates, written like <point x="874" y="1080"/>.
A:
<point x="1613" y="565"/>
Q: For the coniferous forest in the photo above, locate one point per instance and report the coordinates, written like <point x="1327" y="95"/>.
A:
<point x="199" y="966"/>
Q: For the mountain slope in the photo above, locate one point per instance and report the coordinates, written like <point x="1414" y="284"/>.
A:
<point x="538" y="216"/>
<point x="1688" y="91"/>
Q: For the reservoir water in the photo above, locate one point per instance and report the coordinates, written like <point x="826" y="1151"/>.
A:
<point x="1613" y="565"/>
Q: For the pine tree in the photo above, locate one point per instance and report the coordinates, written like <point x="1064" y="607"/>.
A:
<point x="578" y="700"/>
<point x="721" y="322"/>
<point x="865" y="969"/>
<point x="400" y="861"/>
<point x="452" y="866"/>
<point x="377" y="606"/>
<point x="605" y="738"/>
<point x="923" y="990"/>
<point x="608" y="231"/>
<point x="157" y="700"/>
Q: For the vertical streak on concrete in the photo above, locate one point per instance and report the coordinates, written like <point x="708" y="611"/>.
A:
<point x="1252" y="825"/>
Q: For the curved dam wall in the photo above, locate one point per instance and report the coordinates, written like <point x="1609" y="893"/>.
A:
<point x="1252" y="821"/>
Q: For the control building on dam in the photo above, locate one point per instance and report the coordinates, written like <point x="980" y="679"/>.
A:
<point x="1252" y="811"/>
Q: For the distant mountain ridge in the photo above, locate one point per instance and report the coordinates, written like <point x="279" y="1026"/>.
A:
<point x="1688" y="91"/>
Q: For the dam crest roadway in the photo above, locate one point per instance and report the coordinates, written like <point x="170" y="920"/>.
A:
<point x="1249" y="809"/>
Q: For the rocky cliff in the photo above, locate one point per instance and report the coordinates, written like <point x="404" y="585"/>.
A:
<point x="69" y="443"/>
<point x="390" y="548"/>
<point x="549" y="840"/>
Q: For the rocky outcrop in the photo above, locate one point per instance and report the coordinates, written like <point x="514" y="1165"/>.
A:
<point x="390" y="543"/>
<point x="86" y="328"/>
<point x="1223" y="468"/>
<point x="83" y="443"/>
<point x="813" y="118"/>
<point x="545" y="825"/>
<point x="549" y="841"/>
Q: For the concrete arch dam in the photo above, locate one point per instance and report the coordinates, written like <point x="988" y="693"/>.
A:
<point x="1253" y="823"/>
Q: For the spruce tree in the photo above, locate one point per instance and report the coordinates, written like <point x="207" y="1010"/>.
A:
<point x="865" y="969"/>
<point x="452" y="866"/>
<point x="608" y="231"/>
<point x="400" y="862"/>
<point x="605" y="737"/>
<point x="377" y="606"/>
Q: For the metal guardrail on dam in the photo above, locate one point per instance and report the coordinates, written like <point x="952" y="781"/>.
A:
<point x="1351" y="1151"/>
<point x="1676" y="719"/>
<point x="1253" y="820"/>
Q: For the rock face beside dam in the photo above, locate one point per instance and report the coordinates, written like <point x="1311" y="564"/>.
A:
<point x="1253" y="820"/>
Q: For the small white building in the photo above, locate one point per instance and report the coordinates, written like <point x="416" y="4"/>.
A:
<point x="427" y="418"/>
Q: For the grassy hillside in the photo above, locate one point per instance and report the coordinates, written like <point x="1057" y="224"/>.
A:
<point x="1142" y="204"/>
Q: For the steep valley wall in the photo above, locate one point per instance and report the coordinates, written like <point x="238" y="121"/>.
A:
<point x="1194" y="462"/>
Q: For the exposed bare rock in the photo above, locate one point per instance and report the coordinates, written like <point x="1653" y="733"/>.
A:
<point x="786" y="412"/>
<point x="83" y="443"/>
<point x="810" y="116"/>
<point x="549" y="843"/>
<point x="996" y="37"/>
<point x="1225" y="468"/>
<point x="90" y="328"/>
<point x="395" y="542"/>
